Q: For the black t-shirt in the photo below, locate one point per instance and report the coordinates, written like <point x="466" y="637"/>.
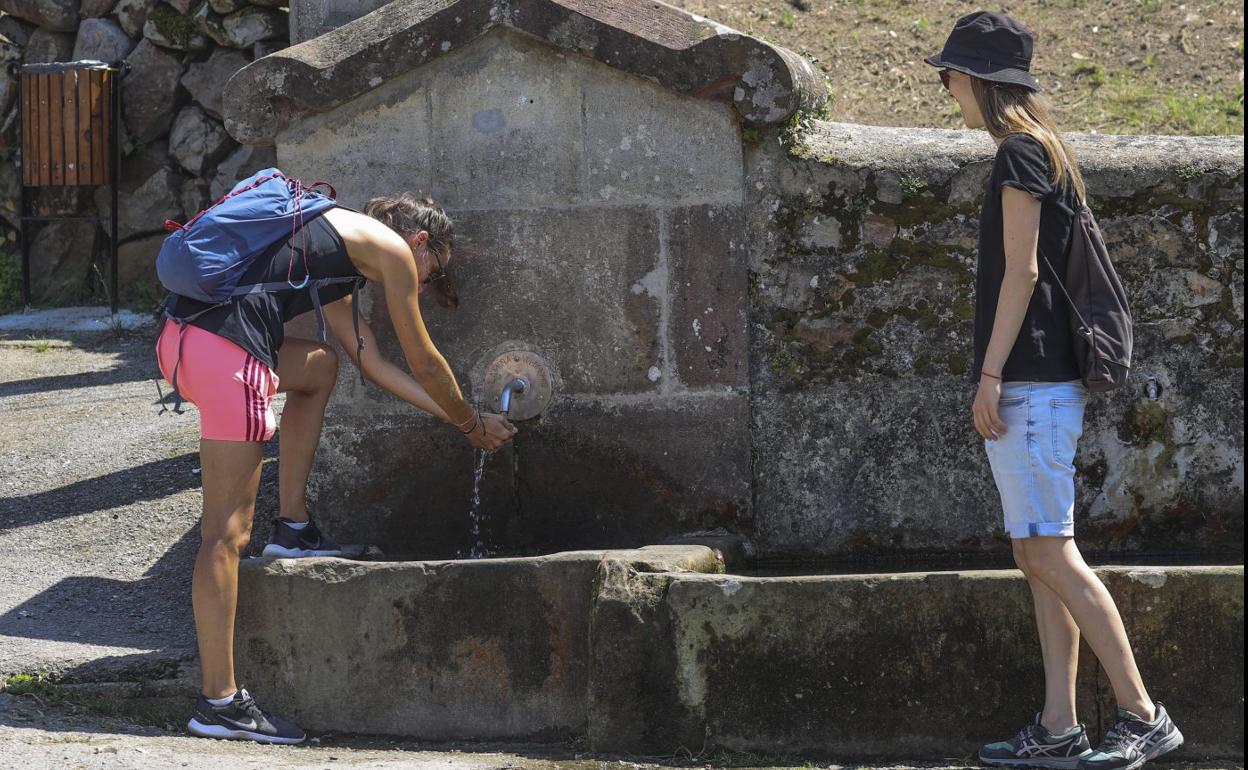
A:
<point x="1044" y="349"/>
<point x="256" y="322"/>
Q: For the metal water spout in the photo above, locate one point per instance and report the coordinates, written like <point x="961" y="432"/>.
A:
<point x="516" y="386"/>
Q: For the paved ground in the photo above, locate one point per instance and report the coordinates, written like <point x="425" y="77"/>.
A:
<point x="37" y="736"/>
<point x="98" y="508"/>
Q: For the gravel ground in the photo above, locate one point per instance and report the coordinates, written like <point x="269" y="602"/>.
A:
<point x="99" y="502"/>
<point x="36" y="736"/>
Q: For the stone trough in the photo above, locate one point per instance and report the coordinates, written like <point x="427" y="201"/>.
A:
<point x="655" y="649"/>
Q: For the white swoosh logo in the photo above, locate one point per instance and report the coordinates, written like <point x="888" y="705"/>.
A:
<point x="250" y="724"/>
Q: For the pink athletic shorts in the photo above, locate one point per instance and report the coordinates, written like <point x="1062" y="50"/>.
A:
<point x="233" y="389"/>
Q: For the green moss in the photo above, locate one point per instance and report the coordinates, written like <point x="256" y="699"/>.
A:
<point x="179" y="30"/>
<point x="1188" y="171"/>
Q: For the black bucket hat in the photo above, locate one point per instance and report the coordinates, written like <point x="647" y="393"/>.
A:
<point x="990" y="46"/>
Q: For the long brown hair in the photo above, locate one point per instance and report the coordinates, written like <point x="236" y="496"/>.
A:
<point x="408" y="214"/>
<point x="1011" y="109"/>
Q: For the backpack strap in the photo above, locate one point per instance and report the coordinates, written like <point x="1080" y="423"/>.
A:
<point x="314" y="287"/>
<point x="1074" y="233"/>
<point x="182" y="322"/>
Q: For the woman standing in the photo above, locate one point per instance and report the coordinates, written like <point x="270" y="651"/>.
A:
<point x="1030" y="403"/>
<point x="231" y="360"/>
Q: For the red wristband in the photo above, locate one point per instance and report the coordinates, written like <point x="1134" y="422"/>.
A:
<point x="986" y="374"/>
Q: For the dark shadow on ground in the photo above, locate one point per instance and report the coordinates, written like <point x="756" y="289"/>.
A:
<point x="151" y="481"/>
<point x="142" y="613"/>
<point x="136" y="354"/>
<point x="124" y="613"/>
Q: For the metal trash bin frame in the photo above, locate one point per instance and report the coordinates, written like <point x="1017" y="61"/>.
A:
<point x="54" y="141"/>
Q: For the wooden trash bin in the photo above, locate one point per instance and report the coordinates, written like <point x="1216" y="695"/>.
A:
<point x="70" y="113"/>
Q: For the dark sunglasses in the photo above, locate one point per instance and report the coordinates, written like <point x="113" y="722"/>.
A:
<point x="439" y="281"/>
<point x="944" y="79"/>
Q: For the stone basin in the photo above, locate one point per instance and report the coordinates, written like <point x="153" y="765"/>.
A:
<point x="651" y="649"/>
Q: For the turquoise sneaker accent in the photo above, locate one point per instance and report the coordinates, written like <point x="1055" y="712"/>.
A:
<point x="1035" y="746"/>
<point x="1132" y="741"/>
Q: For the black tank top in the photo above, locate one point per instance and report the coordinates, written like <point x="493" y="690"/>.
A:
<point x="256" y="322"/>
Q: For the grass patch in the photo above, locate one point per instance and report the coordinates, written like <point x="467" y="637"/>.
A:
<point x="1127" y="105"/>
<point x="41" y="687"/>
<point x="1094" y="73"/>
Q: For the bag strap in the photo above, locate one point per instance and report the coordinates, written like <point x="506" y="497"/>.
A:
<point x="1075" y="232"/>
<point x="314" y="288"/>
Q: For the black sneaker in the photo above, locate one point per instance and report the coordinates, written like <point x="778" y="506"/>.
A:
<point x="288" y="543"/>
<point x="1131" y="741"/>
<point x="1035" y="746"/>
<point x="241" y="720"/>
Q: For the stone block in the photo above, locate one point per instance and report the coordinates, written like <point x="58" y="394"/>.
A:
<point x="756" y="679"/>
<point x="245" y="28"/>
<point x="132" y="15"/>
<point x="8" y="92"/>
<point x="197" y="141"/>
<point x="136" y="271"/>
<point x="377" y="144"/>
<point x="49" y="15"/>
<point x="46" y="46"/>
<point x="839" y="470"/>
<point x="506" y="125"/>
<point x="238" y="165"/>
<point x="707" y="253"/>
<point x="205" y="80"/>
<point x="487" y="650"/>
<point x="60" y="262"/>
<point x="17" y="31"/>
<point x="95" y="9"/>
<point x="536" y="276"/>
<point x="147" y="201"/>
<point x="148" y="99"/>
<point x="102" y="40"/>
<point x="645" y="144"/>
<point x="168" y="29"/>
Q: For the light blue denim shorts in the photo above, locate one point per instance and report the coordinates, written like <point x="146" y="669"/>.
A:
<point x="1033" y="461"/>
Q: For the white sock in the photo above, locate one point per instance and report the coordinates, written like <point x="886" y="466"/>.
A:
<point x="219" y="702"/>
<point x="296" y="526"/>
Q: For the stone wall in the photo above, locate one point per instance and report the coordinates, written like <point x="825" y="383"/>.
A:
<point x="177" y="154"/>
<point x="861" y="298"/>
<point x="603" y="244"/>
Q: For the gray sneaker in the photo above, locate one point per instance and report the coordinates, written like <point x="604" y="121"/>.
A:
<point x="1035" y="746"/>
<point x="1131" y="741"/>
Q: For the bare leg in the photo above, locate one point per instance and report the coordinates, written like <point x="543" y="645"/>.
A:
<point x="1057" y="563"/>
<point x="1059" y="646"/>
<point x="231" y="474"/>
<point x="306" y="372"/>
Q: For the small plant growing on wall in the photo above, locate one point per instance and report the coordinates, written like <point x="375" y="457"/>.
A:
<point x="912" y="187"/>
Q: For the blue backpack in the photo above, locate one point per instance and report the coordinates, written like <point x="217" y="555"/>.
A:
<point x="205" y="258"/>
